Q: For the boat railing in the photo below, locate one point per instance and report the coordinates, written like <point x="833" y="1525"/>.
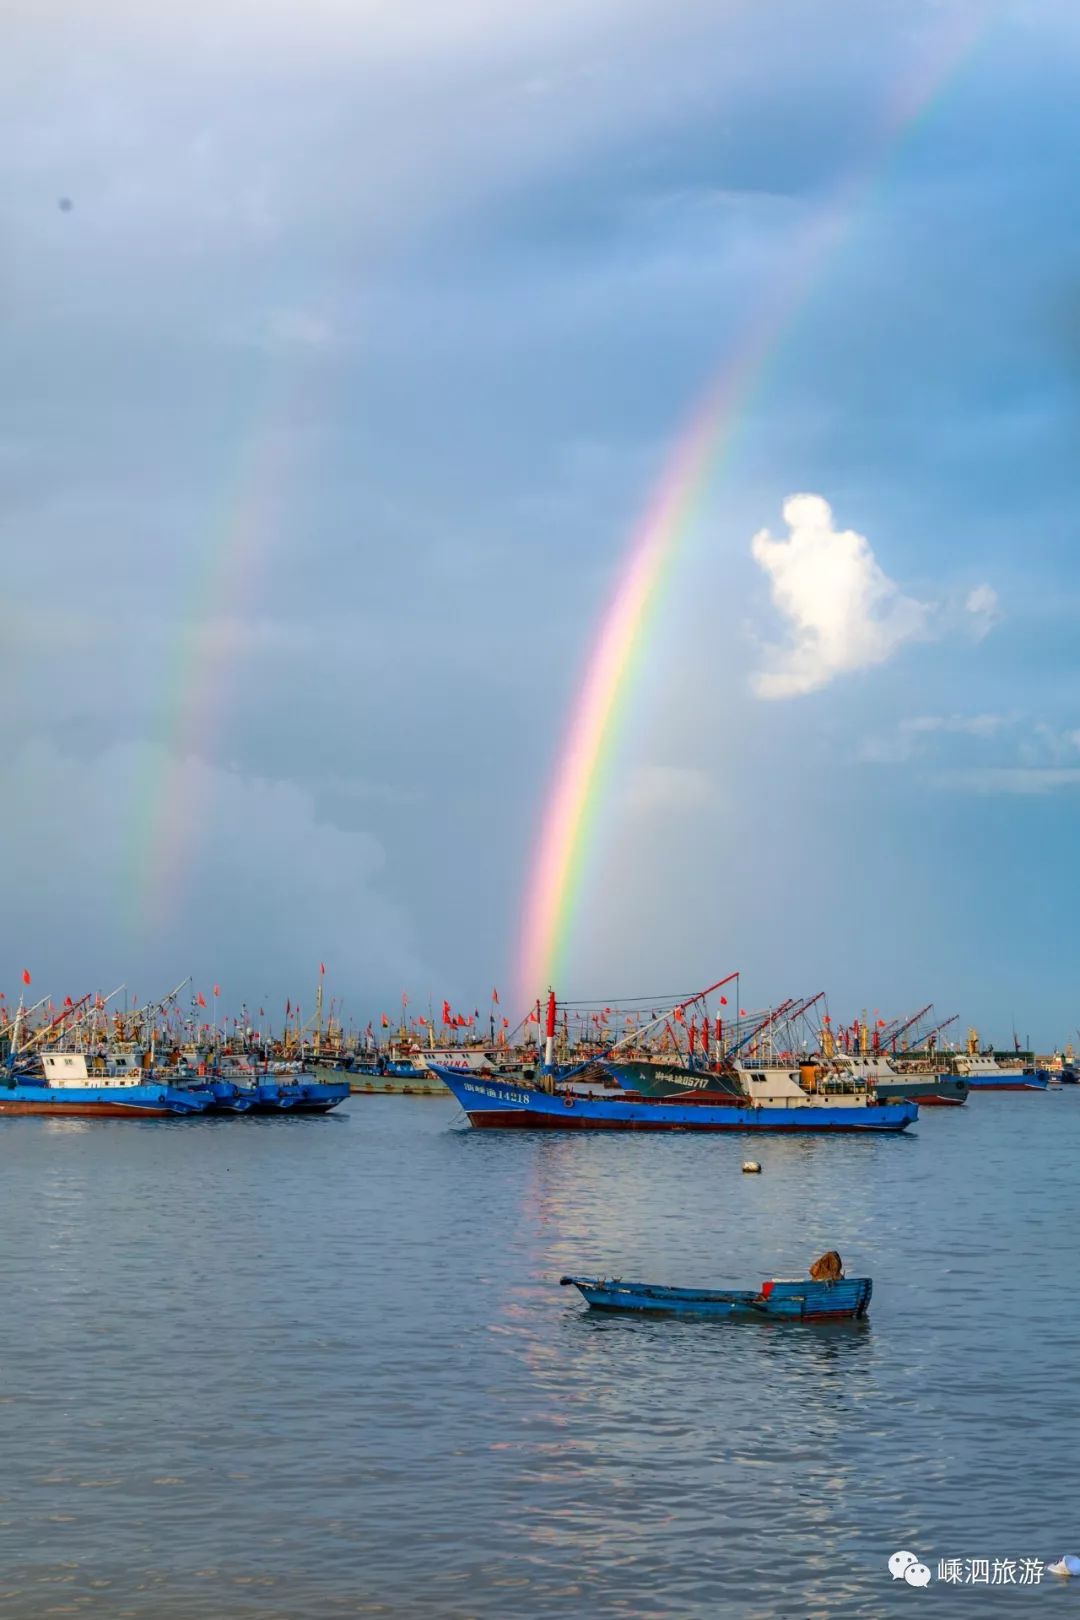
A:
<point x="837" y="1085"/>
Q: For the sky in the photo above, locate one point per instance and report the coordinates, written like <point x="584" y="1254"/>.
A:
<point x="343" y="346"/>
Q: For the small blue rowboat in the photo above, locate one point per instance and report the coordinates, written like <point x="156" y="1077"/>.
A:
<point x="795" y="1300"/>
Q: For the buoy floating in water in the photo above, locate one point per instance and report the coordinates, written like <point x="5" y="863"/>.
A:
<point x="751" y="1168"/>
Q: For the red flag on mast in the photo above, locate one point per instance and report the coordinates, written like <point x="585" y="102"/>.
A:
<point x="26" y="975"/>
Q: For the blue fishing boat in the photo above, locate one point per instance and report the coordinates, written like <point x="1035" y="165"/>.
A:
<point x="67" y="1088"/>
<point x="984" y="1073"/>
<point x="554" y="1103"/>
<point x="390" y="1077"/>
<point x="795" y="1300"/>
<point x="297" y="1096"/>
<point x="247" y="1088"/>
<point x="225" y="1096"/>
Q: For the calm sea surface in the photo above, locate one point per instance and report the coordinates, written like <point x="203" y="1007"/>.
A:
<point x="292" y="1368"/>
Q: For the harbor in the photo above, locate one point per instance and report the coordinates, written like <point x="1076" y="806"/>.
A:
<point x="565" y="1066"/>
<point x="539" y="1050"/>
<point x="369" y="1307"/>
<point x="604" y="1144"/>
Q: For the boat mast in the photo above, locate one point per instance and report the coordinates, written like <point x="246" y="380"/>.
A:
<point x="549" y="1043"/>
<point x="14" y="1051"/>
<point x="897" y="1029"/>
<point x="318" y="1016"/>
<point x="13" y="1027"/>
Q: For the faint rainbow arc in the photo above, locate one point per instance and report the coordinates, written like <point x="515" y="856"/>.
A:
<point x="172" y="803"/>
<point x="590" y="736"/>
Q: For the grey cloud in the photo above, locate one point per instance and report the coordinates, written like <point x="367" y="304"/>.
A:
<point x="400" y="308"/>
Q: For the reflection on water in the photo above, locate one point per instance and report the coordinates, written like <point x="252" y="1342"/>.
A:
<point x="323" y="1366"/>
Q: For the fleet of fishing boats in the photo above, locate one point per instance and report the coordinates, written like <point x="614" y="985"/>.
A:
<point x="691" y="1068"/>
<point x="71" y="1084"/>
<point x="86" y="1063"/>
<point x="688" y="1066"/>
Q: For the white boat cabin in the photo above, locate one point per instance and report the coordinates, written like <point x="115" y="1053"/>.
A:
<point x="979" y="1064"/>
<point x="866" y="1067"/>
<point x="70" y="1069"/>
<point x="813" y="1085"/>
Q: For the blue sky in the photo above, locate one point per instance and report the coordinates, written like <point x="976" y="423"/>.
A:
<point x="431" y="290"/>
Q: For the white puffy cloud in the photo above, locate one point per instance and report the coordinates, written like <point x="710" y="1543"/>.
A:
<point x="844" y="611"/>
<point x="985" y="609"/>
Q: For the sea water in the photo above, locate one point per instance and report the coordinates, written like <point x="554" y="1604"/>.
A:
<point x="278" y="1368"/>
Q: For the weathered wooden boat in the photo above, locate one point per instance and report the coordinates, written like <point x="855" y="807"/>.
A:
<point x="523" y="1102"/>
<point x="780" y="1299"/>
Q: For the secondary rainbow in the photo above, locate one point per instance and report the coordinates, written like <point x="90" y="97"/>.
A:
<point x="213" y="632"/>
<point x="576" y="793"/>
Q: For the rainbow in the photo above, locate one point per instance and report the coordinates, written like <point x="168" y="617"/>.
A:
<point x="706" y="443"/>
<point x="172" y="805"/>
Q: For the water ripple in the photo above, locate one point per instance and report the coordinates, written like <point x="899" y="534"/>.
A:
<point x="322" y="1367"/>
